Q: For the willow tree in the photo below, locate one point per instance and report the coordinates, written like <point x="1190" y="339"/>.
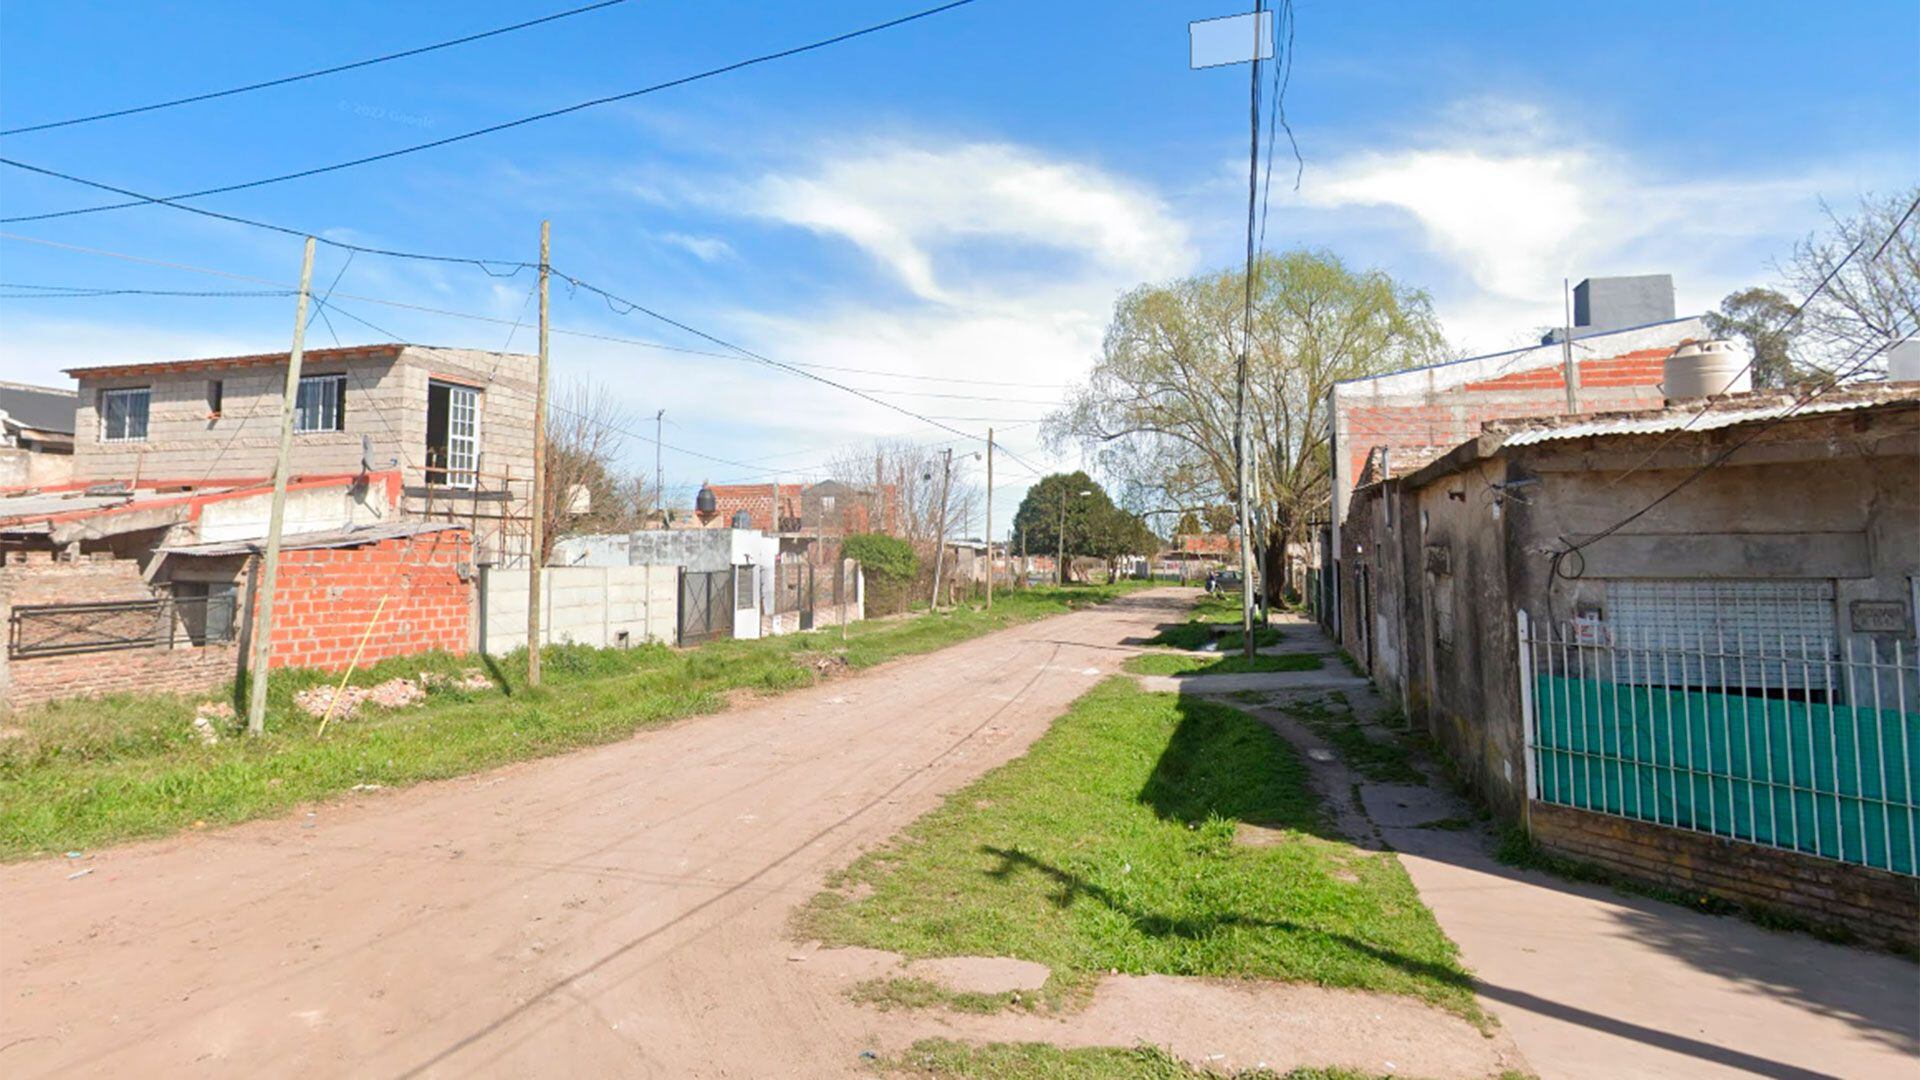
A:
<point x="1157" y="410"/>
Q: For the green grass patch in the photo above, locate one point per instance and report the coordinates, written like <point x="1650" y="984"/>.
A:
<point x="81" y="773"/>
<point x="1166" y="663"/>
<point x="1111" y="845"/>
<point x="948" y="1060"/>
<point x="1386" y="761"/>
<point x="1214" y="618"/>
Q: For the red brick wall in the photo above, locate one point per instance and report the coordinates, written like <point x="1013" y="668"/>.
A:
<point x="1446" y="418"/>
<point x="38" y="578"/>
<point x="1874" y="904"/>
<point x="758" y="501"/>
<point x="325" y="598"/>
<point x="159" y="670"/>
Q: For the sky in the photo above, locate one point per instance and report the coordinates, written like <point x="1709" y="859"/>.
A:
<point x="940" y="215"/>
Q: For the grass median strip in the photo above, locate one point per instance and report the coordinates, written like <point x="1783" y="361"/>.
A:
<point x="1214" y="618"/>
<point x="81" y="773"/>
<point x="1172" y="663"/>
<point x="1112" y="846"/>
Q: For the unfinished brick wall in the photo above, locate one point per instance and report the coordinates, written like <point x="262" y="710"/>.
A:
<point x="1450" y="416"/>
<point x="326" y="597"/>
<point x="1876" y="905"/>
<point x="38" y="578"/>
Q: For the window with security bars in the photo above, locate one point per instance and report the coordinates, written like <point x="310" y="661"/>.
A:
<point x="321" y="403"/>
<point x="1755" y="633"/>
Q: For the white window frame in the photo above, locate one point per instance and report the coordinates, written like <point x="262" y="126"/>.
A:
<point x="460" y="471"/>
<point x="146" y="418"/>
<point x="339" y="381"/>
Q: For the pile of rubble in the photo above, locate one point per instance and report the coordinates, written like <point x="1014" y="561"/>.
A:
<point x="395" y="693"/>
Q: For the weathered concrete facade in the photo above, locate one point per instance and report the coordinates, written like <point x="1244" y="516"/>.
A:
<point x="1437" y="564"/>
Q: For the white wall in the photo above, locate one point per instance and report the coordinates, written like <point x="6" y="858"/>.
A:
<point x="585" y="605"/>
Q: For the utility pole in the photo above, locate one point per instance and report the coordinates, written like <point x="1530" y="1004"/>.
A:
<point x="940" y="529"/>
<point x="1570" y="373"/>
<point x="989" y="519"/>
<point x="659" y="475"/>
<point x="1240" y="367"/>
<point x="540" y="493"/>
<point x="277" y="516"/>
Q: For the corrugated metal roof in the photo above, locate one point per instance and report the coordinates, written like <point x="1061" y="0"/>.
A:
<point x="311" y="356"/>
<point x="43" y="408"/>
<point x="40" y="505"/>
<point x="1661" y="423"/>
<point x="330" y="538"/>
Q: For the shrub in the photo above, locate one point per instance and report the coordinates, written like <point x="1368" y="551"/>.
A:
<point x="890" y="566"/>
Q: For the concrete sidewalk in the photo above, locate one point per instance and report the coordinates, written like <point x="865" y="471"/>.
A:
<point x="1596" y="984"/>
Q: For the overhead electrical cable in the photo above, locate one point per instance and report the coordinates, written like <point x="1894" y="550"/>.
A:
<point x="334" y="70"/>
<point x="174" y="200"/>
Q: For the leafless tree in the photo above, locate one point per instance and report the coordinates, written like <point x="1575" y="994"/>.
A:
<point x="585" y="488"/>
<point x="905" y="479"/>
<point x="1874" y="298"/>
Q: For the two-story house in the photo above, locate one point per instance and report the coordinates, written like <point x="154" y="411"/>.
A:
<point x="449" y="431"/>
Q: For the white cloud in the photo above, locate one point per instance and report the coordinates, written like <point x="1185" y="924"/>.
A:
<point x="704" y="248"/>
<point x="1508" y="205"/>
<point x="906" y="206"/>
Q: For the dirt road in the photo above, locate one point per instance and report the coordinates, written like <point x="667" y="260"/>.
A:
<point x="616" y="911"/>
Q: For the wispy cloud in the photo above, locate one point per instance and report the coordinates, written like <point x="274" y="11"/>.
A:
<point x="704" y="248"/>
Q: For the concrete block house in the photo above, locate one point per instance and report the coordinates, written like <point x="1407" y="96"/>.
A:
<point x="411" y="466"/>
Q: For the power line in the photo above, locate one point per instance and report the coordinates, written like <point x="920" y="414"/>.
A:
<point x="58" y="292"/>
<point x="172" y="200"/>
<point x="640" y="342"/>
<point x="514" y="266"/>
<point x="631" y="307"/>
<point x="336" y="69"/>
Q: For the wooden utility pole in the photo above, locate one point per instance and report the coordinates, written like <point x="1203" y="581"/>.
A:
<point x="277" y="516"/>
<point x="989" y="519"/>
<point x="534" y="553"/>
<point x="940" y="527"/>
<point x="1060" y="565"/>
<point x="659" y="474"/>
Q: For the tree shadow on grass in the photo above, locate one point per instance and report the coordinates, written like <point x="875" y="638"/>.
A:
<point x="1073" y="887"/>
<point x="1222" y="763"/>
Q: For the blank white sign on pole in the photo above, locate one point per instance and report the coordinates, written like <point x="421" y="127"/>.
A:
<point x="1230" y="39"/>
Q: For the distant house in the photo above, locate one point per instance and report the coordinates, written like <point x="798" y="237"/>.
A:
<point x="36" y="435"/>
<point x="826" y="509"/>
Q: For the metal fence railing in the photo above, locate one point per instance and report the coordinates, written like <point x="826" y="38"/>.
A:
<point x="104" y="626"/>
<point x="1805" y="743"/>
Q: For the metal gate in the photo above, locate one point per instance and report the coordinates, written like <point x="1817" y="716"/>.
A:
<point x="706" y="605"/>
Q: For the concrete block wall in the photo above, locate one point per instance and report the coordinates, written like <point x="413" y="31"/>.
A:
<point x="584" y="605"/>
<point x="1879" y="906"/>
<point x="327" y="598"/>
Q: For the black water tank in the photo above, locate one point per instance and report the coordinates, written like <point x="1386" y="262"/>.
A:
<point x="706" y="502"/>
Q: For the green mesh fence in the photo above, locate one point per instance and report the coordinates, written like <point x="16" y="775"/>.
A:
<point x="1829" y="780"/>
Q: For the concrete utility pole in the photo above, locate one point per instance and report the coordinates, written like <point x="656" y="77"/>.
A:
<point x="989" y="519"/>
<point x="534" y="560"/>
<point x="1245" y="511"/>
<point x="659" y="474"/>
<point x="277" y="516"/>
<point x="940" y="528"/>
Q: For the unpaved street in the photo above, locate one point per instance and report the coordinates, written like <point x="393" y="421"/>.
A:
<point x="615" y="911"/>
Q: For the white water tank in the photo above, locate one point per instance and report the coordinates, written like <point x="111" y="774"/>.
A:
<point x="1903" y="361"/>
<point x="1706" y="369"/>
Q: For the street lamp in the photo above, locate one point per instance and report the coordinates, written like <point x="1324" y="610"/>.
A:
<point x="1062" y="537"/>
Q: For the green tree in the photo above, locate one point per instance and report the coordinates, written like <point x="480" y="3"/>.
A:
<point x="1760" y="317"/>
<point x="1089" y="518"/>
<point x="1158" y="409"/>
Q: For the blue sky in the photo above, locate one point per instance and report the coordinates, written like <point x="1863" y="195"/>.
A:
<point x="959" y="198"/>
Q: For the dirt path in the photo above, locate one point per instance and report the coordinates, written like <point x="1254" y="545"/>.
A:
<point x="618" y="910"/>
